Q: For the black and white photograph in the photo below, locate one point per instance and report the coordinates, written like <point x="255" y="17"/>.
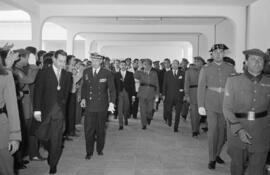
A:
<point x="142" y="87"/>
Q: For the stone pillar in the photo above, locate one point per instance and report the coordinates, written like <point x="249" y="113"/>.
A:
<point x="36" y="26"/>
<point x="70" y="42"/>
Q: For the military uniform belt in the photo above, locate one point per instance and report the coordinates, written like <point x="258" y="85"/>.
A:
<point x="149" y="85"/>
<point x="193" y="86"/>
<point x="3" y="110"/>
<point x="251" y="115"/>
<point x="216" y="89"/>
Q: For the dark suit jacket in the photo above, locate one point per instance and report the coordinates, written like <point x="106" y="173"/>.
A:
<point x="46" y="94"/>
<point x="173" y="86"/>
<point x="95" y="90"/>
<point x="128" y="83"/>
<point x="47" y="98"/>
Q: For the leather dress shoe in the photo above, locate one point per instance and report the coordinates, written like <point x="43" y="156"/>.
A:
<point x="52" y="170"/>
<point x="25" y="161"/>
<point x="219" y="160"/>
<point x="20" y="166"/>
<point x="100" y="153"/>
<point x="74" y="135"/>
<point x="205" y="129"/>
<point x="121" y="127"/>
<point x="88" y="156"/>
<point x="67" y="138"/>
<point x="195" y="134"/>
<point x="144" y="127"/>
<point x="212" y="165"/>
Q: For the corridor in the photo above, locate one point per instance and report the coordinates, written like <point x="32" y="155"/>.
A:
<point x="133" y="151"/>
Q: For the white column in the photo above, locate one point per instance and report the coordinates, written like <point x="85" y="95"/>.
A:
<point x="70" y="42"/>
<point x="240" y="42"/>
<point x="36" y="26"/>
<point x="87" y="45"/>
<point x="94" y="47"/>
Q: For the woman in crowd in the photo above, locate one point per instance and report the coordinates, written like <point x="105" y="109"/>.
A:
<point x="10" y="132"/>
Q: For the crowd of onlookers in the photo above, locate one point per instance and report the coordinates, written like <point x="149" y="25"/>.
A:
<point x="26" y="63"/>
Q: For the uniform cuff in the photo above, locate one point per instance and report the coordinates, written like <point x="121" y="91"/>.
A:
<point x="15" y="135"/>
<point x="235" y="128"/>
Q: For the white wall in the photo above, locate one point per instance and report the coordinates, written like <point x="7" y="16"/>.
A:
<point x="259" y="25"/>
<point x="142" y="51"/>
<point x="79" y="49"/>
<point x="225" y="35"/>
<point x="204" y="46"/>
<point x="18" y="44"/>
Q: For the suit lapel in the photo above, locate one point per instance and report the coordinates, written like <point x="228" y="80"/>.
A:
<point x="53" y="75"/>
<point x="124" y="78"/>
<point x="62" y="77"/>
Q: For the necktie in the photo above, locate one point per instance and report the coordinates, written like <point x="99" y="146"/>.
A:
<point x="95" y="73"/>
<point x="58" y="74"/>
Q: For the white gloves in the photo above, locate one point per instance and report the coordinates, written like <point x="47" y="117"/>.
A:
<point x="202" y="111"/>
<point x="111" y="108"/>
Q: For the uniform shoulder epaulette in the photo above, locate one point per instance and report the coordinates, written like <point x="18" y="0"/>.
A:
<point x="235" y="74"/>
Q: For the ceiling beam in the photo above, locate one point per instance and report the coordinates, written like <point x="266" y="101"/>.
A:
<point x="29" y="6"/>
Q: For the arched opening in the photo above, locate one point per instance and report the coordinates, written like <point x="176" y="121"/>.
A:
<point x="15" y="27"/>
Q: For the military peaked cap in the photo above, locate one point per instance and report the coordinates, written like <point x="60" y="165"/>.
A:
<point x="218" y="46"/>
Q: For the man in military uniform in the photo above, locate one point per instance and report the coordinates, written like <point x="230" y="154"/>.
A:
<point x="160" y="80"/>
<point x="245" y="107"/>
<point x="97" y="84"/>
<point x="211" y="85"/>
<point x="148" y="91"/>
<point x="191" y="87"/>
<point x="185" y="108"/>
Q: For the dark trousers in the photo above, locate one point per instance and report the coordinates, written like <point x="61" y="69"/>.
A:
<point x="33" y="143"/>
<point x="79" y="111"/>
<point x="55" y="136"/>
<point x="169" y="103"/>
<point x="94" y="128"/>
<point x="135" y="107"/>
<point x="123" y="107"/>
<point x="146" y="110"/>
<point x="55" y="142"/>
<point x="6" y="162"/>
<point x="71" y="115"/>
<point x="164" y="111"/>
<point x="216" y="133"/>
<point x="157" y="104"/>
<point x="195" y="118"/>
<point x="245" y="161"/>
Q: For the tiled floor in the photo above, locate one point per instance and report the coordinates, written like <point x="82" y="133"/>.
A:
<point x="133" y="151"/>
